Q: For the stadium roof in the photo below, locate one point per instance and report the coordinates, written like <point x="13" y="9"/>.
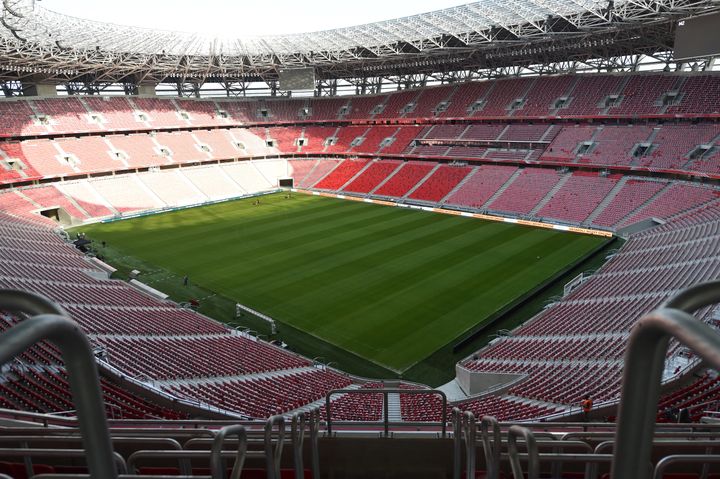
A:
<point x="37" y="42"/>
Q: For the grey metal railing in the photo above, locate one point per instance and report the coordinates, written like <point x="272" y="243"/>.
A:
<point x="273" y="449"/>
<point x="469" y="436"/>
<point x="644" y="362"/>
<point x="50" y="322"/>
<point x="455" y="424"/>
<point x="667" y="461"/>
<point x="491" y="446"/>
<point x="526" y="434"/>
<point x="385" y="392"/>
<point x="314" y="426"/>
<point x="217" y="469"/>
<point x="297" y="438"/>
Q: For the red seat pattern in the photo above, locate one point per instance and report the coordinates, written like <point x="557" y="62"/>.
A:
<point x="429" y="99"/>
<point x="643" y="94"/>
<point x="116" y="112"/>
<point x="323" y="168"/>
<point x="697" y="397"/>
<point x="675" y="199"/>
<point x="68" y="115"/>
<point x="464" y="96"/>
<point x="589" y="92"/>
<point x="526" y="191"/>
<point x="50" y="197"/>
<point x="327" y="108"/>
<point x="700" y="93"/>
<point x="263" y="397"/>
<point x="613" y="145"/>
<point x="440" y="183"/>
<point x="578" y="197"/>
<point x="341" y="175"/>
<point x="177" y="358"/>
<point x="396" y="102"/>
<point x="540" y="100"/>
<point x="481" y="186"/>
<point x="632" y="194"/>
<point x="372" y="176"/>
<point x="405" y="179"/>
<point x="502" y="96"/>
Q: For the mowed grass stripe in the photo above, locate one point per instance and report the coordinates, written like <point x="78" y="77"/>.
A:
<point x="389" y="284"/>
<point x="456" y="274"/>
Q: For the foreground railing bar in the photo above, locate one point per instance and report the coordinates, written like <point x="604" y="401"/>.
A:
<point x="51" y="323"/>
<point x="668" y="461"/>
<point x="644" y="363"/>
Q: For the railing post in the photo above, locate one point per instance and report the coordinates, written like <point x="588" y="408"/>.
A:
<point x="532" y="450"/>
<point x="217" y="469"/>
<point x="644" y="362"/>
<point x="52" y="323"/>
<point x="386" y="410"/>
<point x="491" y="448"/>
<point x="469" y="428"/>
<point x="297" y="435"/>
<point x="457" y="441"/>
<point x="273" y="453"/>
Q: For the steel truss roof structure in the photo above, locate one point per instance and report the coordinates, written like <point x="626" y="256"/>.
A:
<point x="40" y="45"/>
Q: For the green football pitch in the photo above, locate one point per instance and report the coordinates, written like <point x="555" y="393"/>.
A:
<point x="391" y="285"/>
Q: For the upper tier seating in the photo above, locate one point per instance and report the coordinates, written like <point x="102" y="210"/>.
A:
<point x="429" y="100"/>
<point x="464" y="97"/>
<point x="500" y="101"/>
<point x="396" y="103"/>
<point x="589" y="93"/>
<point x="540" y="101"/>
<point x="643" y="94"/>
<point x="565" y="95"/>
<point x="700" y="93"/>
<point x="327" y="108"/>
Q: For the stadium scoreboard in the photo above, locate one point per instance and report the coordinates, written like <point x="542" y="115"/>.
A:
<point x="295" y="79"/>
<point x="697" y="37"/>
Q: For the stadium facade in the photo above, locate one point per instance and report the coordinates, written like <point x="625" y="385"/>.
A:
<point x="582" y="123"/>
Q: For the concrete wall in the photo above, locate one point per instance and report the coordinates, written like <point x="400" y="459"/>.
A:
<point x="146" y="90"/>
<point x="39" y="89"/>
<point x="473" y="383"/>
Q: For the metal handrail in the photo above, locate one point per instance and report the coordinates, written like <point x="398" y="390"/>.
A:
<point x="469" y="433"/>
<point x="273" y="452"/>
<point x="314" y="425"/>
<point x="667" y="461"/>
<point x="456" y="422"/>
<point x="385" y="392"/>
<point x="532" y="452"/>
<point x="297" y="438"/>
<point x="217" y="470"/>
<point x="644" y="362"/>
<point x="491" y="447"/>
<point x="50" y="322"/>
<point x="116" y="460"/>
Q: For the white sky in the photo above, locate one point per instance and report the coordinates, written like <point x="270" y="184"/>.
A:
<point x="242" y="18"/>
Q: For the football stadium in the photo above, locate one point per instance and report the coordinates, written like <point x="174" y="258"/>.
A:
<point x="477" y="242"/>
